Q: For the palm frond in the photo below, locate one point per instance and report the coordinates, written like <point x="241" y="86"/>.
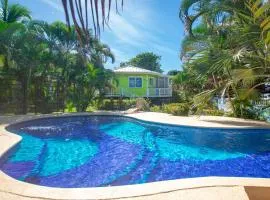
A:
<point x="203" y="98"/>
<point x="17" y="12"/>
<point x="261" y="13"/>
<point x="245" y="76"/>
<point x="99" y="11"/>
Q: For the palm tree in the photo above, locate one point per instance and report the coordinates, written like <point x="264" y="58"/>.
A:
<point x="13" y="13"/>
<point x="208" y="11"/>
<point x="8" y="15"/>
<point x="234" y="66"/>
<point x="101" y="53"/>
<point x="47" y="65"/>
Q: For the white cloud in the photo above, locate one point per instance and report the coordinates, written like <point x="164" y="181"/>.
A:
<point x="125" y="32"/>
<point x="133" y="30"/>
<point x="56" y="4"/>
<point x="120" y="55"/>
<point x="164" y="48"/>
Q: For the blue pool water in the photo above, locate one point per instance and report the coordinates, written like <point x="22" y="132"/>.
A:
<point x="93" y="151"/>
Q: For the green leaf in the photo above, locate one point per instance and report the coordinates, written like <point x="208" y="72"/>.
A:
<point x="265" y="28"/>
<point x="267" y="40"/>
<point x="256" y="5"/>
<point x="261" y="10"/>
<point x="265" y="22"/>
<point x="2" y="58"/>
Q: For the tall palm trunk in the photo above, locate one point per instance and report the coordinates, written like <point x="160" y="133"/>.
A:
<point x="5" y="9"/>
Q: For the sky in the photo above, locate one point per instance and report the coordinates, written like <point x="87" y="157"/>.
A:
<point x="142" y="26"/>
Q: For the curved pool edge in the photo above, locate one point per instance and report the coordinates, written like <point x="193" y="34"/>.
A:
<point x="13" y="186"/>
<point x="200" y="121"/>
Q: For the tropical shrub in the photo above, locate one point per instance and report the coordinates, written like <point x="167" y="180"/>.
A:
<point x="244" y="109"/>
<point x="264" y="114"/>
<point x="212" y="112"/>
<point x="219" y="63"/>
<point x="156" y="109"/>
<point x="70" y="107"/>
<point x="180" y="109"/>
<point x="116" y="104"/>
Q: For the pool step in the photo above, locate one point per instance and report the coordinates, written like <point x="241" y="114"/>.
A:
<point x="140" y="172"/>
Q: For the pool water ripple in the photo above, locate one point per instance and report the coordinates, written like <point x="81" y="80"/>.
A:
<point x="93" y="151"/>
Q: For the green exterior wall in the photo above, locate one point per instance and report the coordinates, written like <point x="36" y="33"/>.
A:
<point x="123" y="85"/>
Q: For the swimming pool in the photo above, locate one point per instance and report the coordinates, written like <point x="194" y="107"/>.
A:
<point x="93" y="151"/>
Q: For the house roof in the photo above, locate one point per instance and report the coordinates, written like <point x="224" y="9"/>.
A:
<point x="136" y="70"/>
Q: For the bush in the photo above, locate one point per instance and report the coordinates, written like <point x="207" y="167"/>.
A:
<point x="244" y="109"/>
<point x="90" y="109"/>
<point x="213" y="112"/>
<point x="155" y="109"/>
<point x="264" y="114"/>
<point x="123" y="104"/>
<point x="108" y="105"/>
<point x="116" y="104"/>
<point x="143" y="104"/>
<point x="70" y="107"/>
<point x="180" y="109"/>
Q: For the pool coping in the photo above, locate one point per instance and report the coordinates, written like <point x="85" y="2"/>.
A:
<point x="13" y="186"/>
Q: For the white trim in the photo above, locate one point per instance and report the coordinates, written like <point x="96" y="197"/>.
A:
<point x="137" y="70"/>
<point x="149" y="73"/>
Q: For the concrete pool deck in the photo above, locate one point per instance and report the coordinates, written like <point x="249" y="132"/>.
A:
<point x="206" y="188"/>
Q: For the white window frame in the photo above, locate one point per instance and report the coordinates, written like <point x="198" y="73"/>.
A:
<point x="170" y="81"/>
<point x="135" y="77"/>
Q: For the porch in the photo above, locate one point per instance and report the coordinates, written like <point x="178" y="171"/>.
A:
<point x="159" y="92"/>
<point x="150" y="92"/>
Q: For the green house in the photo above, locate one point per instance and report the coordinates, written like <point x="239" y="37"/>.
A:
<point x="137" y="82"/>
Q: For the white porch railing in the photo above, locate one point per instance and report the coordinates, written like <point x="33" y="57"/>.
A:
<point x="159" y="92"/>
<point x="115" y="93"/>
<point x="150" y="92"/>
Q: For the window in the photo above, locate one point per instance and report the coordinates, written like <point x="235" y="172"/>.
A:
<point x="135" y="82"/>
<point x="138" y="82"/>
<point x="151" y="81"/>
<point x="132" y="83"/>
